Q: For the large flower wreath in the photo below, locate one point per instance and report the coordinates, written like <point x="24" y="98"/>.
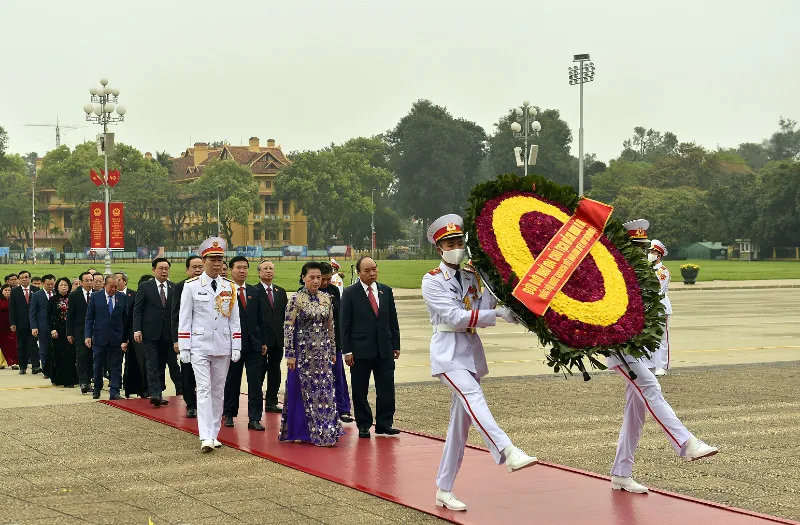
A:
<point x="610" y="304"/>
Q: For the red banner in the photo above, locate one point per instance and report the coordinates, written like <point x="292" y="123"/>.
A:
<point x="117" y="225"/>
<point x="97" y="225"/>
<point x="562" y="255"/>
<point x="113" y="178"/>
<point x="97" y="179"/>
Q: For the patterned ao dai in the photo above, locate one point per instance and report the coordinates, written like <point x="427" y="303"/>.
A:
<point x="309" y="407"/>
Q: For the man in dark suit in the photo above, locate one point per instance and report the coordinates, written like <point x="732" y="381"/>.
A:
<point x="371" y="343"/>
<point x="105" y="330"/>
<point x="76" y="322"/>
<point x="134" y="379"/>
<point x="18" y="318"/>
<point x="251" y="318"/>
<point x="151" y="325"/>
<point x="194" y="268"/>
<point x="274" y="313"/>
<point x="37" y="316"/>
<point x="339" y="377"/>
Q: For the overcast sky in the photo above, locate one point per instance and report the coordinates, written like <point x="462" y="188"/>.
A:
<point x="311" y="73"/>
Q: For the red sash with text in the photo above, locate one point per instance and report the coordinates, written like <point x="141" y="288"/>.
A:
<point x="562" y="255"/>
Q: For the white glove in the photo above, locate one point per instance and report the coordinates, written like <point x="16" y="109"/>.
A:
<point x="185" y="356"/>
<point x="236" y="355"/>
<point x="506" y="314"/>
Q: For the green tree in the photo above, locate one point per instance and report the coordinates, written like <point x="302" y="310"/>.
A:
<point x="164" y="158"/>
<point x="755" y="155"/>
<point x="179" y="201"/>
<point x="648" y="144"/>
<point x="436" y="160"/>
<point x="331" y="184"/>
<point x="784" y="144"/>
<point x="554" y="159"/>
<point x="778" y="219"/>
<point x="620" y="174"/>
<point x="15" y="198"/>
<point x="238" y="193"/>
<point x="142" y="187"/>
<point x="678" y="216"/>
<point x="733" y="207"/>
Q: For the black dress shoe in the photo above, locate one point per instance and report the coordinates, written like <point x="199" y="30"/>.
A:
<point x="36" y="370"/>
<point x="95" y="396"/>
<point x="45" y="376"/>
<point x="115" y="398"/>
<point x="191" y="413"/>
<point x="346" y="418"/>
<point x="84" y="389"/>
<point x="23" y="372"/>
<point x="157" y="402"/>
<point x="387" y="431"/>
<point x="69" y="386"/>
<point x="256" y="425"/>
<point x="273" y="408"/>
<point x="363" y="433"/>
<point x="228" y="421"/>
<point x="179" y="393"/>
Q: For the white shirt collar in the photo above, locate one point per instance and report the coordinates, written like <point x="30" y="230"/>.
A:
<point x="374" y="287"/>
<point x="265" y="285"/>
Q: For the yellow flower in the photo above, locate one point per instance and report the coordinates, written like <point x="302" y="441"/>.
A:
<point x="510" y="241"/>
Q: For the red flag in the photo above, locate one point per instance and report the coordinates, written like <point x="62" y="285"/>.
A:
<point x="97" y="225"/>
<point x="113" y="177"/>
<point x="96" y="178"/>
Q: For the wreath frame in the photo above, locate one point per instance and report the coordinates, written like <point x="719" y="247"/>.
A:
<point x="561" y="357"/>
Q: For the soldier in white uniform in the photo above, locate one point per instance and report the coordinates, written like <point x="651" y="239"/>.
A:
<point x="209" y="337"/>
<point x="643" y="394"/>
<point x="457" y="307"/>
<point x="336" y="279"/>
<point x="661" y="358"/>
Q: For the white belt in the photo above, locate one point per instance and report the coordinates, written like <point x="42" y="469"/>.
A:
<point x="448" y="328"/>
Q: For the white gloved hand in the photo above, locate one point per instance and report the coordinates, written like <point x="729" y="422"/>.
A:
<point x="185" y="356"/>
<point x="506" y="314"/>
<point x="236" y="355"/>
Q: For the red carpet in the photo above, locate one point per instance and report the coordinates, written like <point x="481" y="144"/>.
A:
<point x="403" y="470"/>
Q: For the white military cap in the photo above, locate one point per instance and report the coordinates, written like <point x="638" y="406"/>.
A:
<point x="658" y="246"/>
<point x="450" y="225"/>
<point x="334" y="264"/>
<point x="637" y="229"/>
<point x="212" y="246"/>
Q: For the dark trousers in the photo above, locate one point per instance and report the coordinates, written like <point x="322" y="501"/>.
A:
<point x="271" y="369"/>
<point x="26" y="348"/>
<point x="113" y="356"/>
<point x="140" y="354"/>
<point x="251" y="361"/>
<point x="43" y="342"/>
<point x="174" y="370"/>
<point x="156" y="359"/>
<point x="383" y="371"/>
<point x="84" y="362"/>
<point x="189" y="386"/>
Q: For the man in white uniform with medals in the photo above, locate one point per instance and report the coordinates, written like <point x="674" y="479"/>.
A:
<point x="457" y="307"/>
<point x="643" y="395"/>
<point x="661" y="358"/>
<point x="336" y="278"/>
<point x="209" y="337"/>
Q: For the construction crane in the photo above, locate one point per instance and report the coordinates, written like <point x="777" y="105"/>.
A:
<point x="58" y="127"/>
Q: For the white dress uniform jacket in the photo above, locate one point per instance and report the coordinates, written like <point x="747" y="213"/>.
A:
<point x="456" y="310"/>
<point x="338" y="282"/>
<point x="663" y="278"/>
<point x="202" y="329"/>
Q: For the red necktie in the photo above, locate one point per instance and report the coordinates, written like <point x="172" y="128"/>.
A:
<point x="241" y="297"/>
<point x="27" y="297"/>
<point x="372" y="301"/>
<point x="271" y="298"/>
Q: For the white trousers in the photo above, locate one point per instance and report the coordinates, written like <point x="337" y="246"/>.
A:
<point x="661" y="357"/>
<point x="210" y="372"/>
<point x="468" y="407"/>
<point x="641" y="396"/>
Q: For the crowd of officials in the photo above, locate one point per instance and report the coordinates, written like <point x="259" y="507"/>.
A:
<point x="96" y="332"/>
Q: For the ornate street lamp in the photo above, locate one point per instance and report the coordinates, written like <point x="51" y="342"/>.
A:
<point x="580" y="75"/>
<point x="525" y="127"/>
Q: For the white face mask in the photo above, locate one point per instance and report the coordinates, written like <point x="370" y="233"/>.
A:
<point x="454" y="256"/>
<point x="652" y="257"/>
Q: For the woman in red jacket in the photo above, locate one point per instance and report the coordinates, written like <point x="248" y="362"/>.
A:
<point x="8" y="340"/>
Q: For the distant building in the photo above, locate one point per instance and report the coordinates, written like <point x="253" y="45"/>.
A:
<point x="707" y="250"/>
<point x="277" y="223"/>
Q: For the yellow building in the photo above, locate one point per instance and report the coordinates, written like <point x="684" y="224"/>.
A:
<point x="53" y="219"/>
<point x="276" y="223"/>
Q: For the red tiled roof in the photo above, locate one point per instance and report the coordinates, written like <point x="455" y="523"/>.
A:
<point x="265" y="161"/>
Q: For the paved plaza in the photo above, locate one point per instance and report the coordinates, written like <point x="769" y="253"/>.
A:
<point x="67" y="460"/>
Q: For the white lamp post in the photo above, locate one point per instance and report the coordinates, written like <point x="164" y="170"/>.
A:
<point x="525" y="127"/>
<point x="100" y="111"/>
<point x="372" y="226"/>
<point x="580" y="75"/>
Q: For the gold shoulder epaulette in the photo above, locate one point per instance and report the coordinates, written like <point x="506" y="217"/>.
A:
<point x="229" y="280"/>
<point x="435" y="271"/>
<point x="192" y="279"/>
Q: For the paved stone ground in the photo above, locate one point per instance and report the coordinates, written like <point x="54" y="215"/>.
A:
<point x="93" y="464"/>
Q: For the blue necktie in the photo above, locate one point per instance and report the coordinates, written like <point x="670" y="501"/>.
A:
<point x="110" y="306"/>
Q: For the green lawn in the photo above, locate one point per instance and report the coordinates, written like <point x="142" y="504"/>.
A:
<point x="408" y="274"/>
